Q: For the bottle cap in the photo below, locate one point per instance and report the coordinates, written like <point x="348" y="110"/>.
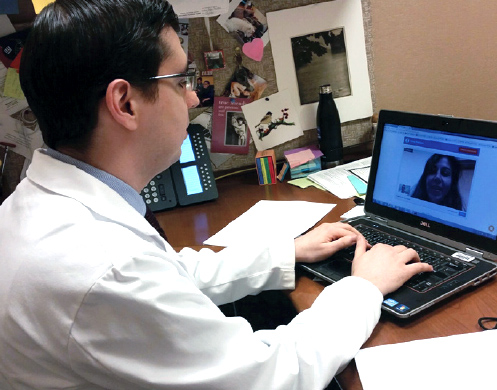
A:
<point x="326" y="88"/>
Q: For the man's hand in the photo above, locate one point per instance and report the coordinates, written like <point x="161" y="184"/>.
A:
<point x="323" y="241"/>
<point x="387" y="267"/>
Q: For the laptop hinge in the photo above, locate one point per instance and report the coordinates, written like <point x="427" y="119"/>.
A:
<point x="379" y="219"/>
<point x="475" y="253"/>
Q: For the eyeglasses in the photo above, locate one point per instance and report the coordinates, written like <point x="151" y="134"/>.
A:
<point x="190" y="79"/>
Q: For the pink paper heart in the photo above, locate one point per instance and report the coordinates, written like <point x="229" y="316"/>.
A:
<point x="254" y="49"/>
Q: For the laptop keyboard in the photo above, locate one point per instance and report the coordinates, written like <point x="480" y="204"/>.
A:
<point x="444" y="267"/>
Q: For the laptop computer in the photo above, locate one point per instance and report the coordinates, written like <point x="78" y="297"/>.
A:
<point x="432" y="187"/>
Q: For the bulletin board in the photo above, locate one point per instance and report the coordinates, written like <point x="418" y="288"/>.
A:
<point x="355" y="132"/>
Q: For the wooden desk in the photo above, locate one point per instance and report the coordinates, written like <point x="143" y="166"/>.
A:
<point x="190" y="226"/>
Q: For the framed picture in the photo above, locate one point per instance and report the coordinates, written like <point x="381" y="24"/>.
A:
<point x="329" y="49"/>
<point x="214" y="59"/>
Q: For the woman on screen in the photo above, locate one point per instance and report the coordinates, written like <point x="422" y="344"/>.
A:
<point x="439" y="182"/>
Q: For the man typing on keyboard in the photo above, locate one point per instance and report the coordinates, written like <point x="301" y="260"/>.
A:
<point x="91" y="296"/>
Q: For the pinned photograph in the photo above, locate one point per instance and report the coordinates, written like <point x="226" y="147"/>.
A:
<point x="245" y="22"/>
<point x="272" y="120"/>
<point x="245" y="84"/>
<point x="214" y="59"/>
<point x="205" y="90"/>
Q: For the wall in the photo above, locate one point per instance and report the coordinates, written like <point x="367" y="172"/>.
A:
<point x="435" y="56"/>
<point x="424" y="55"/>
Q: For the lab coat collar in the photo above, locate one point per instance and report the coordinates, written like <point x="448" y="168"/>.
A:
<point x="67" y="180"/>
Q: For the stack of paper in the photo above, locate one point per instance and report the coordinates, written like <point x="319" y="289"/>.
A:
<point x="345" y="180"/>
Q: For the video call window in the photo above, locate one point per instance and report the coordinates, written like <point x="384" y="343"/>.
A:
<point x="438" y="178"/>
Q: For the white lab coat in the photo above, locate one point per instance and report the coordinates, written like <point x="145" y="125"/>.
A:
<point x="91" y="297"/>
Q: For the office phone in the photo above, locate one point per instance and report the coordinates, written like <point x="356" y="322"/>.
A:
<point x="189" y="180"/>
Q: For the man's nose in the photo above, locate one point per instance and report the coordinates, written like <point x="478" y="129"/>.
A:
<point x="192" y="99"/>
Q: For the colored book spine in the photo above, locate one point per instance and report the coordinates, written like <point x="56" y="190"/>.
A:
<point x="272" y="174"/>
<point x="259" y="171"/>
<point x="264" y="170"/>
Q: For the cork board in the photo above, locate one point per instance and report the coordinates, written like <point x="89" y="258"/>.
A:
<point x="353" y="133"/>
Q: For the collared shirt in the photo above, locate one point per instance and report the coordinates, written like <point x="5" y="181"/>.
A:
<point x="125" y="190"/>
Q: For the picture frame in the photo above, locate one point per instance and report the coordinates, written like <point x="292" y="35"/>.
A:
<point x="214" y="59"/>
<point x="286" y="25"/>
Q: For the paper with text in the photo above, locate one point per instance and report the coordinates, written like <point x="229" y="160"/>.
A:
<point x="336" y="181"/>
<point x="199" y="8"/>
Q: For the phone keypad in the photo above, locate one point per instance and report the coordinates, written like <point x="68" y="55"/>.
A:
<point x="155" y="191"/>
<point x="207" y="179"/>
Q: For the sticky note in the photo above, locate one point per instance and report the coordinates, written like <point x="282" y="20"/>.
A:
<point x="358" y="184"/>
<point x="40" y="4"/>
<point x="12" y="87"/>
<point x="304" y="182"/>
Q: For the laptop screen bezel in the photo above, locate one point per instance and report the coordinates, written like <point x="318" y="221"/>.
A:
<point x="435" y="122"/>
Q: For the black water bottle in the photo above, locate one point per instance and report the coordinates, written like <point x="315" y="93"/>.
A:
<point x="329" y="129"/>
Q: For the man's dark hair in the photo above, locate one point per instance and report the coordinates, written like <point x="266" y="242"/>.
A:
<point x="76" y="48"/>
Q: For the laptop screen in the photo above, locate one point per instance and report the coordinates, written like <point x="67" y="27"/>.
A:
<point x="438" y="171"/>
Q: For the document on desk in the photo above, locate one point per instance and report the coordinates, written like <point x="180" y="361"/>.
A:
<point x="465" y="361"/>
<point x="336" y="180"/>
<point x="270" y="219"/>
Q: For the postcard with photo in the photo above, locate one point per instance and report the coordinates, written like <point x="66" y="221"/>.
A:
<point x="273" y="120"/>
<point x="244" y="21"/>
<point x="230" y="133"/>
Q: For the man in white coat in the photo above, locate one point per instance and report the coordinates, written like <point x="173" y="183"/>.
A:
<point x="91" y="296"/>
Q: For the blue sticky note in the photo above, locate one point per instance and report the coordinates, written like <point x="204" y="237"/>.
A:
<point x="9" y="7"/>
<point x="358" y="184"/>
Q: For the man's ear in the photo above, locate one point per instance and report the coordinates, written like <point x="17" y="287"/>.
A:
<point x="121" y="103"/>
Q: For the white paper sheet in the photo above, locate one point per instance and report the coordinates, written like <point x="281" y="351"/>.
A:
<point x="269" y="219"/>
<point x="6" y="26"/>
<point x="460" y="362"/>
<point x="357" y="211"/>
<point x="199" y="8"/>
<point x="335" y="180"/>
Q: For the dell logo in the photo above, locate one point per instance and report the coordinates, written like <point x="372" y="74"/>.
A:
<point x="425" y="224"/>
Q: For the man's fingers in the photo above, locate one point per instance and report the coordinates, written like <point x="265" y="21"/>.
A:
<point x="409" y="255"/>
<point x="418" y="267"/>
<point x="361" y="246"/>
<point x="343" y="242"/>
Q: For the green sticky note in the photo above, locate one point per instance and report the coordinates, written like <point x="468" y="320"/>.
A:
<point x="12" y="87"/>
<point x="358" y="184"/>
<point x="304" y="182"/>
